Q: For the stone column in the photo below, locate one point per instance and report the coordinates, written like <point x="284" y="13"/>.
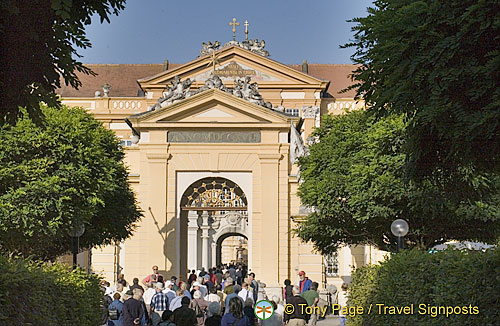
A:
<point x="204" y="238"/>
<point x="345" y="263"/>
<point x="309" y="114"/>
<point x="192" y="240"/>
<point x="214" y="253"/>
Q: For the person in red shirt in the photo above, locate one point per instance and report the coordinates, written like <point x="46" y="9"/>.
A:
<point x="148" y="279"/>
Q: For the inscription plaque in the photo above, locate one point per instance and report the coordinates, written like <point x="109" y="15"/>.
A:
<point x="234" y="70"/>
<point x="213" y="137"/>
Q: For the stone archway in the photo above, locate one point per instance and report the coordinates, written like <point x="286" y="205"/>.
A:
<point x="218" y="247"/>
<point x="211" y="207"/>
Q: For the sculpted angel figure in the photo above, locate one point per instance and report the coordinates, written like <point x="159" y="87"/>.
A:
<point x="255" y="97"/>
<point x="164" y="101"/>
<point x="219" y="84"/>
<point x="209" y="47"/>
<point x="187" y="88"/>
<point x="238" y="85"/>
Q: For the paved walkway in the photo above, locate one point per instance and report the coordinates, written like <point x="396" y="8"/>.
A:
<point x="330" y="320"/>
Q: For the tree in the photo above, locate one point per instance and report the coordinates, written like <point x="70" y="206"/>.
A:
<point x="439" y="63"/>
<point x="55" y="176"/>
<point x="354" y="177"/>
<point x="37" y="48"/>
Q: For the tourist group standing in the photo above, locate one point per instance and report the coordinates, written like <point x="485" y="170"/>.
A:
<point x="220" y="296"/>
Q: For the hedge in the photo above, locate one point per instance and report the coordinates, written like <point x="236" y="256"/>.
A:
<point x="447" y="288"/>
<point x="33" y="293"/>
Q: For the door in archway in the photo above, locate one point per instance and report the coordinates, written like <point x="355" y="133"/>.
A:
<point x="232" y="248"/>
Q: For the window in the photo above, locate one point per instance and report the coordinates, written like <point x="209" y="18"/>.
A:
<point x="125" y="143"/>
<point x="331" y="265"/>
<point x="294" y="112"/>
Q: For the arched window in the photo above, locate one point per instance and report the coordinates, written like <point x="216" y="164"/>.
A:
<point x="214" y="193"/>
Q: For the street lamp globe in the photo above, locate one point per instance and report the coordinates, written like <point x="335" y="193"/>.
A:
<point x="77" y="230"/>
<point x="399" y="228"/>
<point x="135" y="139"/>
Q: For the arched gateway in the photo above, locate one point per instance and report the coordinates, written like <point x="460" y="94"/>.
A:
<point x="211" y="209"/>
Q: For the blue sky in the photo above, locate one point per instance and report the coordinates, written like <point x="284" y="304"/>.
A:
<point x="150" y="31"/>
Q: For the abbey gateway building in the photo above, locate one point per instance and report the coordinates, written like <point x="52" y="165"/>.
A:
<point x="211" y="145"/>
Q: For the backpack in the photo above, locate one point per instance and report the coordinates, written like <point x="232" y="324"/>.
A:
<point x="113" y="314"/>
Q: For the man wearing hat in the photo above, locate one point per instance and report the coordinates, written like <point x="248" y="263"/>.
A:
<point x="207" y="283"/>
<point x="169" y="291"/>
<point x="159" y="303"/>
<point x="305" y="283"/>
<point x="214" y="311"/>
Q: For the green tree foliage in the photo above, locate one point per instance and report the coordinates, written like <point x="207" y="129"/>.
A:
<point x="67" y="172"/>
<point x="37" y="47"/>
<point x="38" y="294"/>
<point x="355" y="178"/>
<point x="451" y="278"/>
<point x="439" y="63"/>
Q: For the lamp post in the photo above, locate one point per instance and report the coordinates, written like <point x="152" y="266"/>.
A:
<point x="399" y="228"/>
<point x="75" y="232"/>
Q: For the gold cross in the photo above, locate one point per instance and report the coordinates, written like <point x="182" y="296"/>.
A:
<point x="246" y="29"/>
<point x="213" y="61"/>
<point x="234" y="24"/>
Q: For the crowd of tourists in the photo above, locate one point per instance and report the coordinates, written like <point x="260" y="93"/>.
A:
<point x="220" y="296"/>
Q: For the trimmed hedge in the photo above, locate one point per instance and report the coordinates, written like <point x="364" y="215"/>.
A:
<point x="469" y="280"/>
<point x="33" y="293"/>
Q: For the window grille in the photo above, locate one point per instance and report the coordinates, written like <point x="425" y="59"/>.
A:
<point x="332" y="265"/>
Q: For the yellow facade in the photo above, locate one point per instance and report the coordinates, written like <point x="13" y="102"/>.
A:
<point x="161" y="171"/>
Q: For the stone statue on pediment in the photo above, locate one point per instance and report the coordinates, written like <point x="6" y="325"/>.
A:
<point x="255" y="46"/>
<point x="179" y="90"/>
<point x="209" y="47"/>
<point x="254" y="95"/>
<point x="238" y="86"/>
<point x="213" y="82"/>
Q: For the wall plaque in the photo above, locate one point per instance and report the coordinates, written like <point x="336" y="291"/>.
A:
<point x="234" y="70"/>
<point x="231" y="70"/>
<point x="213" y="137"/>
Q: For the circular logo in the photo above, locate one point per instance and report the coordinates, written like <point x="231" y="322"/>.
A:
<point x="263" y="310"/>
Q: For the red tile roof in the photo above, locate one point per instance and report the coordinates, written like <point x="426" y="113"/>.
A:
<point x="123" y="78"/>
<point x="337" y="74"/>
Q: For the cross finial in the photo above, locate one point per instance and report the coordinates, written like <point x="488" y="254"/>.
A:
<point x="246" y="29"/>
<point x="213" y="61"/>
<point x="234" y="24"/>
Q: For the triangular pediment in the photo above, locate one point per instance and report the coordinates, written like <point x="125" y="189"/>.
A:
<point x="212" y="107"/>
<point x="233" y="62"/>
<point x="214" y="113"/>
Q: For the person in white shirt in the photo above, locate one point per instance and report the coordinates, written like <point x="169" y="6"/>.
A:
<point x="168" y="291"/>
<point x="213" y="296"/>
<point x="244" y="293"/>
<point x="148" y="295"/>
<point x="342" y="301"/>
